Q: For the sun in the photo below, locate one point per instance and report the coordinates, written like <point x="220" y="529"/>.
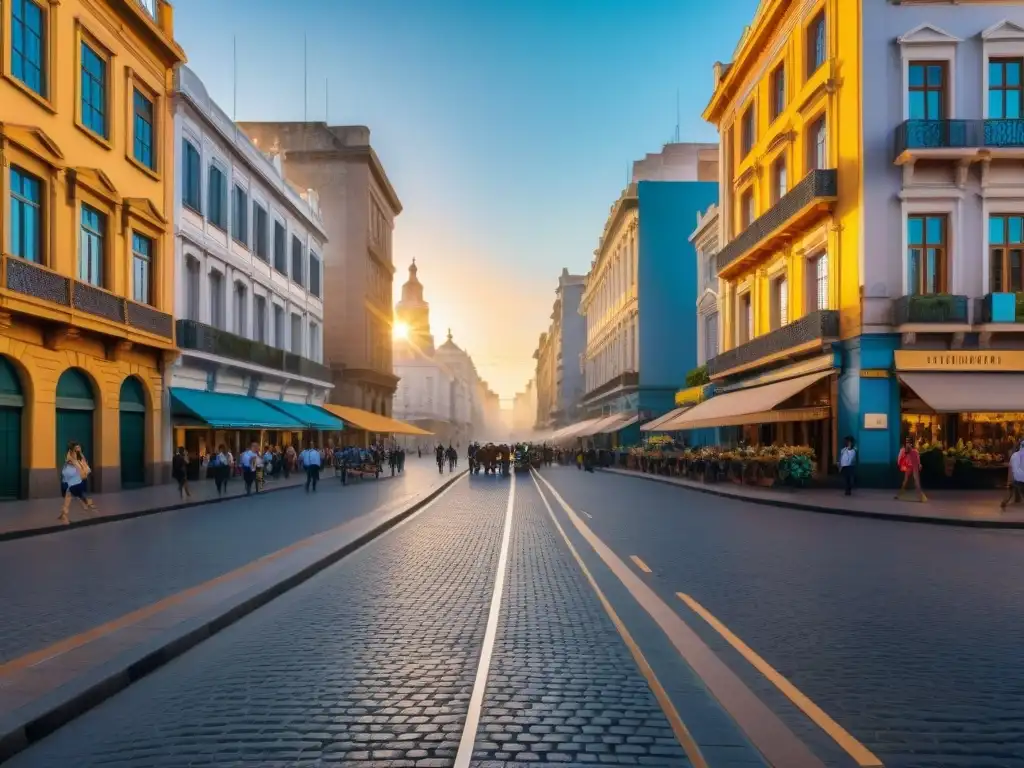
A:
<point x="400" y="330"/>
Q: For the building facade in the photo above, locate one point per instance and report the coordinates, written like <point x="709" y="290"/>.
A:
<point x="524" y="411"/>
<point x="559" y="376"/>
<point x="87" y="278"/>
<point x="359" y="206"/>
<point x="640" y="292"/>
<point x="705" y="244"/>
<point x="248" y="275"/>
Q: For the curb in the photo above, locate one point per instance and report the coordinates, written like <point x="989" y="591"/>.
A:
<point x="44" y="530"/>
<point x="59" y="710"/>
<point x="805" y="507"/>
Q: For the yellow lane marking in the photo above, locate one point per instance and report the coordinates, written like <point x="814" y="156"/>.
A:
<point x="640" y="564"/>
<point x="840" y="735"/>
<point x="682" y="733"/>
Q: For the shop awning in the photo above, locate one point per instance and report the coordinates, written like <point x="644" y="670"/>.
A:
<point x="616" y="422"/>
<point x="596" y="426"/>
<point x="372" y="422"/>
<point x="655" y="424"/>
<point x="968" y="392"/>
<point x="224" y="411"/>
<point x="750" y="406"/>
<point x="574" y="430"/>
<point x="310" y="415"/>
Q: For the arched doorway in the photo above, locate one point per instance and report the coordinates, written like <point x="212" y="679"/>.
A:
<point x="76" y="405"/>
<point x="12" y="401"/>
<point x="133" y="433"/>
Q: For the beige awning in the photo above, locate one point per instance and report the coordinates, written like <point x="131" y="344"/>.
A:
<point x="968" y="392"/>
<point x="750" y="406"/>
<point x="624" y="420"/>
<point x="655" y="425"/>
<point x="573" y="430"/>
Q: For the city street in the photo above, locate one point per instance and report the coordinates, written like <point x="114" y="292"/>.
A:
<point x="599" y="619"/>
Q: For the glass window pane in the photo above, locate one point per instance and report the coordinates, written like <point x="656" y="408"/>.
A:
<point x="996" y="230"/>
<point x="916" y="75"/>
<point x="934" y="230"/>
<point x="934" y="74"/>
<point x="913" y="271"/>
<point x="1016" y="274"/>
<point x="995" y="104"/>
<point x="915" y="230"/>
<point x="1015" y="225"/>
<point x="995" y="73"/>
<point x="996" y="269"/>
<point x="1012" y="111"/>
<point x="934" y="111"/>
<point x="1013" y="73"/>
<point x="917" y="108"/>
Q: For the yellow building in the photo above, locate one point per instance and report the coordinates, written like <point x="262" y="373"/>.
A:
<point x="787" y="108"/>
<point x="86" y="234"/>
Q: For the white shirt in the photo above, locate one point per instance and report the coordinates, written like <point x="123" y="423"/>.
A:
<point x="247" y="459"/>
<point x="847" y="457"/>
<point x="1017" y="466"/>
<point x="310" y="458"/>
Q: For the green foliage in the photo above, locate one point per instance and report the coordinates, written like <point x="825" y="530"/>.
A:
<point x="698" y="377"/>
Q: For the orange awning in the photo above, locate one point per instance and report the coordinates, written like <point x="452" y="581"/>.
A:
<point x="750" y="406"/>
<point x="372" y="422"/>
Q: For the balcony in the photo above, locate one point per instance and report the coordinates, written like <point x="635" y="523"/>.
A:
<point x="816" y="192"/>
<point x="206" y="338"/>
<point x="30" y="279"/>
<point x="957" y="139"/>
<point x="623" y="380"/>
<point x="820" y="326"/>
<point x="940" y="308"/>
<point x="1001" y="308"/>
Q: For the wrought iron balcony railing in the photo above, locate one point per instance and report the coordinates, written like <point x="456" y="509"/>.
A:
<point x="816" y="185"/>
<point x="206" y="338"/>
<point x="958" y="134"/>
<point x="822" y="324"/>
<point x="932" y="308"/>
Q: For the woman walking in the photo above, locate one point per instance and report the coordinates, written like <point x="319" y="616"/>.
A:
<point x="72" y="481"/>
<point x="179" y="471"/>
<point x="909" y="463"/>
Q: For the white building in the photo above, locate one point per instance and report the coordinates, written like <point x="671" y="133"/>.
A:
<point x="248" y="273"/>
<point x="705" y="239"/>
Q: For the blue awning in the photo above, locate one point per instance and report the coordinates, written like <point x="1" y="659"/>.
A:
<point x="310" y="415"/>
<point x="224" y="411"/>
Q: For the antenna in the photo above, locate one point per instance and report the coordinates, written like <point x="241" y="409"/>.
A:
<point x="234" y="78"/>
<point x="305" y="79"/>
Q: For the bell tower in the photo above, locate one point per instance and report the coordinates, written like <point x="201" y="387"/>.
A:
<point x="414" y="312"/>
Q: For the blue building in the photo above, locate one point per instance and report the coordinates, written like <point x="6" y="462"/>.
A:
<point x="639" y="296"/>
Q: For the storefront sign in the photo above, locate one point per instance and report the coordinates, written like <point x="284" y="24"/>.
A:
<point x="989" y="360"/>
<point x="874" y="373"/>
<point x="876" y="421"/>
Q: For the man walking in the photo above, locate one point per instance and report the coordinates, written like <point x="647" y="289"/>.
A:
<point x="847" y="462"/>
<point x="248" y="462"/>
<point x="1015" y="486"/>
<point x="310" y="459"/>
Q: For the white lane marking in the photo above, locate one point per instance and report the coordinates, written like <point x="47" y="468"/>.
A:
<point x="585" y="513"/>
<point x="476" y="700"/>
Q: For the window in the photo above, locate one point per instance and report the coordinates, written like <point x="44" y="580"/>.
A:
<point x="192" y="270"/>
<point x="28" y="44"/>
<point x="314" y="274"/>
<point x="91" y="244"/>
<point x="191" y="183"/>
<point x="260" y="232"/>
<point x="745" y="317"/>
<point x="26" y="240"/>
<point x="927" y="90"/>
<point x="711" y="335"/>
<point x="217" y="198"/>
<point x="818" y="290"/>
<point x="1006" y="253"/>
<point x="926" y="254"/>
<point x="1004" y="89"/>
<point x="297" y="261"/>
<point x="142" y="129"/>
<point x="747" y="131"/>
<point x="296" y="334"/>
<point x="280" y="249"/>
<point x="142" y="263"/>
<point x="314" y="342"/>
<point x="216" y="299"/>
<point x="778" y="91"/>
<point x="279" y="326"/>
<point x="241" y="304"/>
<point x="94" y="91"/>
<point x="259" y="319"/>
<point x="817" y="148"/>
<point x="240" y="217"/>
<point x="780" y="182"/>
<point x="747" y="209"/>
<point x="780" y="302"/>
<point x="816" y="49"/>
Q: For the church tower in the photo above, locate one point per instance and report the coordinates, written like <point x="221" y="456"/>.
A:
<point x="414" y="312"/>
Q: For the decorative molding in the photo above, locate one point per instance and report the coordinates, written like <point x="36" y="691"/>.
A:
<point x="63" y="337"/>
<point x="1004" y="30"/>
<point x="927" y="34"/>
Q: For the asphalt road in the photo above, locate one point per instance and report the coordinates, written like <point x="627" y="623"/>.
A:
<point x="908" y="635"/>
<point x="375" y="661"/>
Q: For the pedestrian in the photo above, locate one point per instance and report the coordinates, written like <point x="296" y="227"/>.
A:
<point x="1015" y="479"/>
<point x="847" y="462"/>
<point x="221" y="466"/>
<point x="289" y="460"/>
<point x="310" y="459"/>
<point x="179" y="471"/>
<point x="248" y="462"/>
<point x="909" y="463"/>
<point x="73" y="476"/>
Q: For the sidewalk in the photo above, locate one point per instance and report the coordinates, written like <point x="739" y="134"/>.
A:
<point x="979" y="509"/>
<point x="33" y="517"/>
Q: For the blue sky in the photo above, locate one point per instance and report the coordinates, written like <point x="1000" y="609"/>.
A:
<point x="505" y="127"/>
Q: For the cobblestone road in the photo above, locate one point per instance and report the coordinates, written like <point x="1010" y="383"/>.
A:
<point x="55" y="586"/>
<point x="908" y="635"/>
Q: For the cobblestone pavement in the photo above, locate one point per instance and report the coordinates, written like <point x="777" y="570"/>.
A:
<point x="563" y="687"/>
<point x="55" y="586"/>
<point x="909" y="636"/>
<point x="371" y="662"/>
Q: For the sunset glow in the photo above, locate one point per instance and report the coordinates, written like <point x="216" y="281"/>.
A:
<point x="400" y="331"/>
